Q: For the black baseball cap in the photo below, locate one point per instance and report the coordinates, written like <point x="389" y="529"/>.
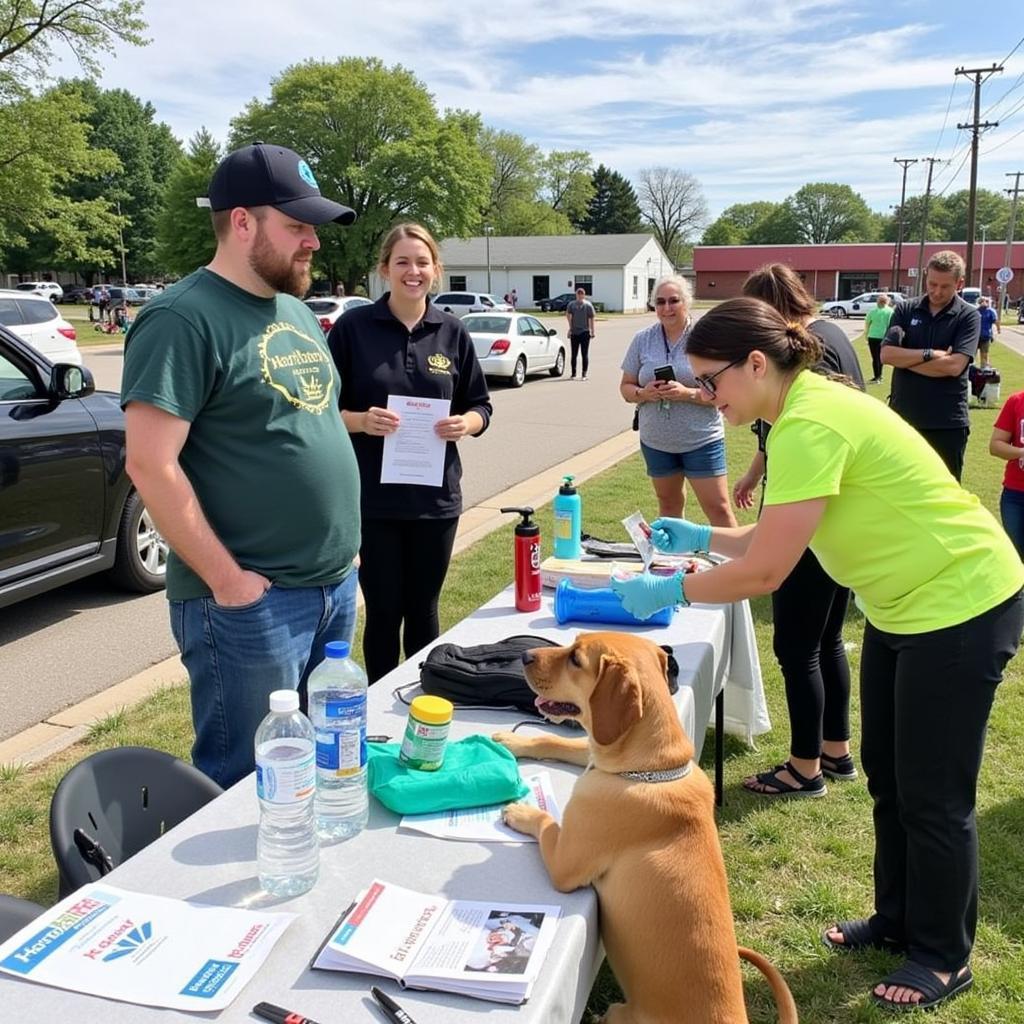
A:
<point x="266" y="175"/>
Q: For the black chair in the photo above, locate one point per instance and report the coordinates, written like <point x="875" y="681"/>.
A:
<point x="15" y="913"/>
<point x="115" y="803"/>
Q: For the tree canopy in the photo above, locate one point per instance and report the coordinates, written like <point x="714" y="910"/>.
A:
<point x="613" y="208"/>
<point x="672" y="203"/>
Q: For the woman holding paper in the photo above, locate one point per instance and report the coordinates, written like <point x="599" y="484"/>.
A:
<point x="401" y="345"/>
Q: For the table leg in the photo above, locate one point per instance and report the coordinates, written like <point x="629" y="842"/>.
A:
<point x="719" y="745"/>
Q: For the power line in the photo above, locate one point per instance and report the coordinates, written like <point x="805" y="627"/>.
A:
<point x="992" y="149"/>
<point x="945" y="118"/>
<point x="1016" y="85"/>
<point x="1020" y="42"/>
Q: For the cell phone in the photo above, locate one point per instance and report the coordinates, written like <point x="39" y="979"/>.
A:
<point x="664" y="372"/>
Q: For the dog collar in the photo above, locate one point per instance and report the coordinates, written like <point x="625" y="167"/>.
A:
<point x="663" y="775"/>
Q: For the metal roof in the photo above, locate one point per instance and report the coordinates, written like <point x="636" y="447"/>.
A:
<point x="544" y="250"/>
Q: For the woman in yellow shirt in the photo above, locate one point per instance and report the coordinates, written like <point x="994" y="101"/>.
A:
<point x="939" y="584"/>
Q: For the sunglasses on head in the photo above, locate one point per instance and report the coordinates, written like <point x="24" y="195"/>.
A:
<point x="707" y="381"/>
<point x="672" y="300"/>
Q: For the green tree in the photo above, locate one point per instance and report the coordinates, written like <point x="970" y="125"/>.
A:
<point x="515" y="178"/>
<point x="534" y="217"/>
<point x="913" y="220"/>
<point x="828" y="212"/>
<point x="613" y="209"/>
<point x="184" y="234"/>
<point x="738" y="223"/>
<point x="568" y="187"/>
<point x="991" y="209"/>
<point x="672" y="203"/>
<point x="374" y="141"/>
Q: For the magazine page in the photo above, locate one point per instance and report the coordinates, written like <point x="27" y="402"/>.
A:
<point x="484" y="824"/>
<point x="144" y="949"/>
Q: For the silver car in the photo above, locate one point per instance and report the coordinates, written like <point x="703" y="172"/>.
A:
<point x="461" y="303"/>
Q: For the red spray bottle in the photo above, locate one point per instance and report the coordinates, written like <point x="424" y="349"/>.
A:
<point x="527" y="561"/>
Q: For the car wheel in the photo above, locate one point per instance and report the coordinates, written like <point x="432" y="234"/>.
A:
<point x="837" y="313"/>
<point x="543" y="307"/>
<point x="141" y="560"/>
<point x="518" y="378"/>
<point x="559" y="368"/>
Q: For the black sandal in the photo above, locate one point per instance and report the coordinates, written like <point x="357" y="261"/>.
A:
<point x="841" y="768"/>
<point x="917" y="977"/>
<point x="860" y="935"/>
<point x="805" y="787"/>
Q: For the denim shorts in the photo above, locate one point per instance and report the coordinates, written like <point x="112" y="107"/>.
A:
<point x="707" y="460"/>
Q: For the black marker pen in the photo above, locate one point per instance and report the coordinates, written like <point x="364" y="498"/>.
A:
<point x="279" y="1015"/>
<point x="395" y="1013"/>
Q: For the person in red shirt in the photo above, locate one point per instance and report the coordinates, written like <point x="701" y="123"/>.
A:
<point x="1008" y="443"/>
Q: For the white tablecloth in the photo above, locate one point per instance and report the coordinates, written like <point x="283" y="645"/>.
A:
<point x="211" y="856"/>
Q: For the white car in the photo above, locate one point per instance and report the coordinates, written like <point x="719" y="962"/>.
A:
<point x="839" y="309"/>
<point x="512" y="345"/>
<point x="34" y="319"/>
<point x="47" y="289"/>
<point x="328" y="309"/>
<point x="461" y="303"/>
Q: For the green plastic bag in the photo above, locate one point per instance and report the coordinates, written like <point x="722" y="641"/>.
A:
<point x="476" y="772"/>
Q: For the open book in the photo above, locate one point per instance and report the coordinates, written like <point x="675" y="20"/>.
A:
<point x="488" y="950"/>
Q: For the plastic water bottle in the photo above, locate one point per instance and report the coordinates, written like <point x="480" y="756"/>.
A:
<point x="568" y="520"/>
<point x="337" y="705"/>
<point x="287" y="850"/>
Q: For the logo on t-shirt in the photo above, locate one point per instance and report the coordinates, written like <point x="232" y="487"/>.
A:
<point x="298" y="366"/>
<point x="438" y="363"/>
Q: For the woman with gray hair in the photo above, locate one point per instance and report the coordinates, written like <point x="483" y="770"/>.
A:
<point x="681" y="432"/>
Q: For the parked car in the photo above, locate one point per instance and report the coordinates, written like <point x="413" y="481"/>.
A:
<point x="145" y="292"/>
<point x="839" y="309"/>
<point x="461" y="303"/>
<point x="35" y="320"/>
<point x="971" y="295"/>
<point x="77" y="294"/>
<point x="69" y="508"/>
<point x="47" y="289"/>
<point x="327" y="310"/>
<point x="557" y="304"/>
<point x="512" y="345"/>
<point x="120" y="296"/>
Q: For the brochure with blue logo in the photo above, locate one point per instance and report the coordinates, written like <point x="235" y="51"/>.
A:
<point x="144" y="949"/>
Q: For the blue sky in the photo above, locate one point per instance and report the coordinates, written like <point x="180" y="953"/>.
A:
<point x="753" y="97"/>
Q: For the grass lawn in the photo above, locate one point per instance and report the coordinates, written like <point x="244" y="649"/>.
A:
<point x="793" y="867"/>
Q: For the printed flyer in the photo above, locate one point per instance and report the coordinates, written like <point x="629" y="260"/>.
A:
<point x="144" y="949"/>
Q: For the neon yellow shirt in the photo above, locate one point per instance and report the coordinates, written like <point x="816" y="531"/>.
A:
<point x="876" y="321"/>
<point x="919" y="551"/>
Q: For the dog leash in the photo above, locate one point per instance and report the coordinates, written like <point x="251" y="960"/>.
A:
<point x="662" y="775"/>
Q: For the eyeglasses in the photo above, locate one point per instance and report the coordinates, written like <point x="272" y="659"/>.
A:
<point x="707" y="382"/>
<point x="672" y="300"/>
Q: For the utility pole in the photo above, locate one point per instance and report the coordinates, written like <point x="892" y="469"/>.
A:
<point x="898" y="268"/>
<point x="1015" y="192"/>
<point x="976" y="127"/>
<point x="931" y="162"/>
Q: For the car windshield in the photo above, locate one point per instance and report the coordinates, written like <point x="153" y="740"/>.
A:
<point x="25" y="286"/>
<point x="321" y="306"/>
<point x="487" y="324"/>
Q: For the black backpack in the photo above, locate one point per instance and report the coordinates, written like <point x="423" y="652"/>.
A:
<point x="492" y="675"/>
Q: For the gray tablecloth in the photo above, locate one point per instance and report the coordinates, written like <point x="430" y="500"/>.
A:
<point x="210" y="857"/>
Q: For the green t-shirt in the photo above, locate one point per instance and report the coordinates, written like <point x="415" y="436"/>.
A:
<point x="920" y="552"/>
<point x="267" y="453"/>
<point x="876" y="320"/>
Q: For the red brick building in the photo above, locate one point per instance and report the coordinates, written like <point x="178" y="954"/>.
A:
<point x="842" y="270"/>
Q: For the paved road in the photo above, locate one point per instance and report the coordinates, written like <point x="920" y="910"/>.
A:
<point x="59" y="648"/>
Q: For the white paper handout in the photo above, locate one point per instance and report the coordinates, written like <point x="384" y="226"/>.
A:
<point x="414" y="454"/>
<point x="144" y="949"/>
<point x="491" y="950"/>
<point x="484" y="824"/>
<point x="640" y="534"/>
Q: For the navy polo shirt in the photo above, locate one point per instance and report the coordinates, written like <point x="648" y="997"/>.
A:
<point x="935" y="403"/>
<point x="376" y="356"/>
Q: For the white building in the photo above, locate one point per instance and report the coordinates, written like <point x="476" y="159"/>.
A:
<point x="616" y="270"/>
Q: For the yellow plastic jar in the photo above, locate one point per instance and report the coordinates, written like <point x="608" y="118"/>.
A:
<point x="426" y="732"/>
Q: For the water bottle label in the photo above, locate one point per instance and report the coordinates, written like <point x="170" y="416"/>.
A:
<point x="342" y="753"/>
<point x="285" y="771"/>
<point x="563" y="525"/>
<point x="349" y="708"/>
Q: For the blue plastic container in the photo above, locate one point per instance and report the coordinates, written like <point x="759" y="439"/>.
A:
<point x="568" y="520"/>
<point x="602" y="605"/>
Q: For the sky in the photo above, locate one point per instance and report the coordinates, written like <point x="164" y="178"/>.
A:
<point x="753" y="97"/>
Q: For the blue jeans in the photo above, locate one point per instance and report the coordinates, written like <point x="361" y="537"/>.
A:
<point x="1011" y="511"/>
<point x="707" y="460"/>
<point x="236" y="657"/>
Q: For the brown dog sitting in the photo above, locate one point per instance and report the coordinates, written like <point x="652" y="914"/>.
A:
<point x="640" y="827"/>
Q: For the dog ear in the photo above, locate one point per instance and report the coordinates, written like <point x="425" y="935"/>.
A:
<point x="615" y="704"/>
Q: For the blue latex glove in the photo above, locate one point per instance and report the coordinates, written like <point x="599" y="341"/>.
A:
<point x="676" y="536"/>
<point x="645" y="594"/>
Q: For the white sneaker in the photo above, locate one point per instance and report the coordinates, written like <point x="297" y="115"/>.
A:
<point x="584" y="377"/>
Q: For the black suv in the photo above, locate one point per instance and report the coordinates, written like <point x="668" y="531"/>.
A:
<point x="67" y="507"/>
<point x="558" y="303"/>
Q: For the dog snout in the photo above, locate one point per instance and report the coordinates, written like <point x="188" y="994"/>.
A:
<point x="528" y="657"/>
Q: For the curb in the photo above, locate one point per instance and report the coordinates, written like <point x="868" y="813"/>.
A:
<point x="67" y="727"/>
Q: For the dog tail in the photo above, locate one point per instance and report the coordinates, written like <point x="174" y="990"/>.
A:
<point x="780" y="990"/>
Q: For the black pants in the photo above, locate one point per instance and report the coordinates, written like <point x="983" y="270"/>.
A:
<point x="925" y="702"/>
<point x="875" y="345"/>
<point x="580" y="342"/>
<point x="951" y="444"/>
<point x="402" y="566"/>
<point x="808" y="611"/>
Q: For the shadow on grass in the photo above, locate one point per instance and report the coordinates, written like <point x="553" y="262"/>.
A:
<point x="1001" y="904"/>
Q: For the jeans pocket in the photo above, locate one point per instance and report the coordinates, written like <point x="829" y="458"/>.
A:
<point x="234" y="609"/>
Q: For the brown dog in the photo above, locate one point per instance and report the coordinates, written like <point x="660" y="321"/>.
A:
<point x="649" y="847"/>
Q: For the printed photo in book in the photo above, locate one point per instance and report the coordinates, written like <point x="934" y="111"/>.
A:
<point x="489" y="950"/>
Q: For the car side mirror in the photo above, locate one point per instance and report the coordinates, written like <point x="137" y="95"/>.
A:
<point x="70" y="381"/>
<point x="551" y="332"/>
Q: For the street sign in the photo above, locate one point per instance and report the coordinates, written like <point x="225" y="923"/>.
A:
<point x="911" y="271"/>
<point x="1004" y="275"/>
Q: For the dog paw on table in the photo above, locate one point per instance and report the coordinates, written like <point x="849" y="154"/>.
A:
<point x="523" y="818"/>
<point x="517" y="745"/>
